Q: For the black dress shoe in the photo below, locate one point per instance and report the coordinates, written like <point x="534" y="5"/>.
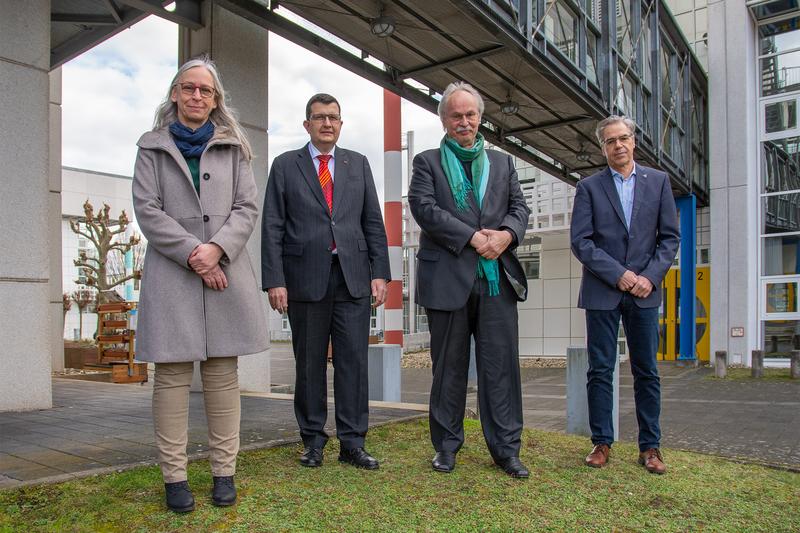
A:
<point x="444" y="461"/>
<point x="513" y="467"/>
<point x="358" y="457"/>
<point x="224" y="492"/>
<point x="311" y="457"/>
<point x="179" y="497"/>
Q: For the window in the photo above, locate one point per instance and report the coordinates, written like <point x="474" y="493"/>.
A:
<point x="561" y="28"/>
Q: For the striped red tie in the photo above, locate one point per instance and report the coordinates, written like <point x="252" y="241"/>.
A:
<point x="325" y="180"/>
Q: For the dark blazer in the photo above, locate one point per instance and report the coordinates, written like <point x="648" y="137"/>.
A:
<point x="297" y="229"/>
<point x="447" y="264"/>
<point x="607" y="248"/>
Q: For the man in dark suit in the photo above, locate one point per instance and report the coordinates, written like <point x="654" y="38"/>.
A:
<point x="625" y="232"/>
<point x="323" y="254"/>
<point x="468" y="202"/>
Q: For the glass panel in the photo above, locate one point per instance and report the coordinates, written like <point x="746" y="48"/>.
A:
<point x="780" y="165"/>
<point x="781" y="297"/>
<point x="666" y="78"/>
<point x="698" y="114"/>
<point x="780" y="213"/>
<point x="647" y="61"/>
<point x="767" y="10"/>
<point x="591" y="56"/>
<point x="781" y="337"/>
<point x="780" y="116"/>
<point x="780" y="74"/>
<point x="666" y="136"/>
<point x="593" y="10"/>
<point x="678" y="96"/>
<point x="780" y="256"/>
<point x="626" y="96"/>
<point x="561" y="28"/>
<point x="624" y="31"/>
<point x="647" y="126"/>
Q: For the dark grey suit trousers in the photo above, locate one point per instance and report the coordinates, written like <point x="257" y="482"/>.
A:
<point x="492" y="320"/>
<point x="345" y="321"/>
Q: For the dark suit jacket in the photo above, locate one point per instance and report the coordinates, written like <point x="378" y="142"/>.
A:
<point x="602" y="242"/>
<point x="447" y="264"/>
<point x="297" y="229"/>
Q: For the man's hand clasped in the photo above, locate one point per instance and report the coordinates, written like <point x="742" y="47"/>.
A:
<point x="638" y="286"/>
<point x="490" y="243"/>
<point x="204" y="260"/>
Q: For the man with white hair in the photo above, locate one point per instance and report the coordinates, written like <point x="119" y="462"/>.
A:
<point x="468" y="202"/>
<point x="625" y="232"/>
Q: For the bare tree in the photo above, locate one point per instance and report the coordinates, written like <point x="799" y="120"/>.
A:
<point x="104" y="234"/>
<point x="83" y="299"/>
<point x="116" y="265"/>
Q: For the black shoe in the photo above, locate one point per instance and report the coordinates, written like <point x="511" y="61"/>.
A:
<point x="513" y="467"/>
<point x="224" y="492"/>
<point x="179" y="497"/>
<point x="311" y="457"/>
<point x="444" y="461"/>
<point x="359" y="457"/>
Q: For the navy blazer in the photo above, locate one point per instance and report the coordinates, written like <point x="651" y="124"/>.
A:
<point x="447" y="264"/>
<point x="298" y="229"/>
<point x="606" y="247"/>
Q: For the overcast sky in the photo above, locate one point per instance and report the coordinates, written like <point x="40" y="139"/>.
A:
<point x="110" y="94"/>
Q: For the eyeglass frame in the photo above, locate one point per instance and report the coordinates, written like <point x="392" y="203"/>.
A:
<point x="196" y="88"/>
<point x="611" y="141"/>
<point x="322" y="117"/>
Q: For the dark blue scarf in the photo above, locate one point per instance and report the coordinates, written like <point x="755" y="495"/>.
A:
<point x="191" y="142"/>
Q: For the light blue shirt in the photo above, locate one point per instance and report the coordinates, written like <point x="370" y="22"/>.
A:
<point x="331" y="162"/>
<point x="625" y="191"/>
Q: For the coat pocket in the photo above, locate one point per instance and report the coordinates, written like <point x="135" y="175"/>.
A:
<point x="362" y="245"/>
<point x="293" y="249"/>
<point x="426" y="254"/>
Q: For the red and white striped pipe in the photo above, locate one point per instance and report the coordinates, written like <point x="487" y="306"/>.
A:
<point x="393" y="216"/>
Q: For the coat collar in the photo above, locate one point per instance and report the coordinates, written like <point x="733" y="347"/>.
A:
<point x="610" y="189"/>
<point x="161" y="139"/>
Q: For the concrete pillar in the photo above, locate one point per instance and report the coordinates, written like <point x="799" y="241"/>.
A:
<point x="721" y="363"/>
<point x="25" y="292"/>
<point x="54" y="225"/>
<point x="577" y="397"/>
<point x="733" y="152"/>
<point x="757" y="370"/>
<point x="794" y="368"/>
<point x="240" y="48"/>
<point x="384" y="372"/>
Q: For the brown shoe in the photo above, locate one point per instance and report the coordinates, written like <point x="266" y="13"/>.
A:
<point x="652" y="461"/>
<point x="599" y="456"/>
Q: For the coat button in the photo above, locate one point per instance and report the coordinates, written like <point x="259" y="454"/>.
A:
<point x="206" y="176"/>
<point x="333" y="223"/>
<point x="205" y="218"/>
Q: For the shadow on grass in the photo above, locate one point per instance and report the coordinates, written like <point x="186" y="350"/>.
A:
<point x="276" y="494"/>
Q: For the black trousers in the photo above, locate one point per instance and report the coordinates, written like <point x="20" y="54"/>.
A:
<point x="345" y="321"/>
<point x="492" y="320"/>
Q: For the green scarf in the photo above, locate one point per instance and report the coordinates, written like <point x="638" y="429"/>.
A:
<point x="453" y="154"/>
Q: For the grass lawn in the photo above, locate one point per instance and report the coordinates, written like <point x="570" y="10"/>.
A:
<point x="744" y="374"/>
<point x="699" y="493"/>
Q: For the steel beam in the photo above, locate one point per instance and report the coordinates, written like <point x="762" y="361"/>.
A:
<point x="451" y="62"/>
<point x="84" y="19"/>
<point x="186" y="13"/>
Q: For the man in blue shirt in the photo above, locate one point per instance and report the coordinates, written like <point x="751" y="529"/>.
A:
<point x="625" y="233"/>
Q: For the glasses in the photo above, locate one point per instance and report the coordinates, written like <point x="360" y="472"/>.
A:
<point x="321" y="117"/>
<point x="189" y="89"/>
<point x="458" y="117"/>
<point x="622" y="138"/>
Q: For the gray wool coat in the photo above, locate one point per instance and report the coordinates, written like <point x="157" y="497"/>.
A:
<point x="180" y="319"/>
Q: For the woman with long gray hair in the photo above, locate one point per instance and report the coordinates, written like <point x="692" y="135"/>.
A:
<point x="195" y="201"/>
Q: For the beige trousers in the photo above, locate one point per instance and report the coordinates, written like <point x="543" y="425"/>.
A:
<point x="171" y="415"/>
